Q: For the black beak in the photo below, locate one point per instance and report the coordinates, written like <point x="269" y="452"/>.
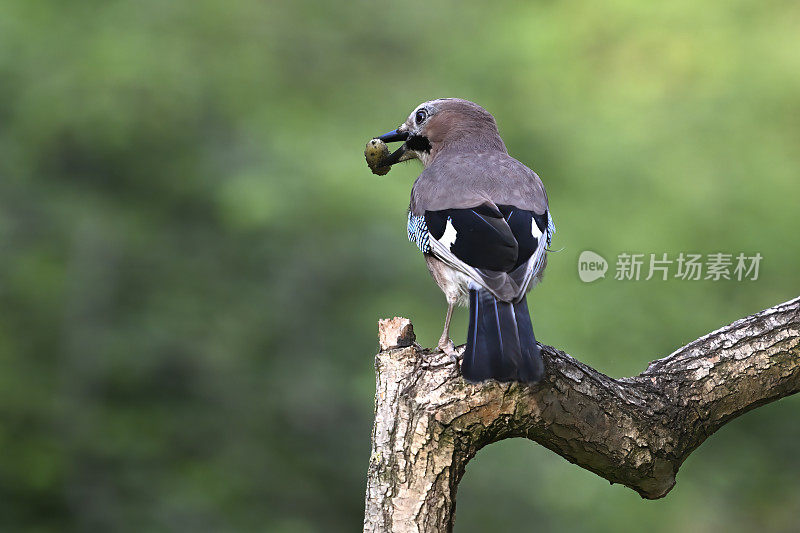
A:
<point x="393" y="136"/>
<point x="397" y="155"/>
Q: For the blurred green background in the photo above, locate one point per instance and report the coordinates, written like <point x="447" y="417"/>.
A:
<point x="195" y="254"/>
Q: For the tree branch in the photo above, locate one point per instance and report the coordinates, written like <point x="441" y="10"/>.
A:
<point x="635" y="431"/>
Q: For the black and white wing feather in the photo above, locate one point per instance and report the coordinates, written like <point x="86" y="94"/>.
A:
<point x="501" y="248"/>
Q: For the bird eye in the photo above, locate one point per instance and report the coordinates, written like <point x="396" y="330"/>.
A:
<point x="421" y="116"/>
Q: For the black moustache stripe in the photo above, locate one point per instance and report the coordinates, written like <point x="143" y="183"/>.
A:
<point x="418" y="143"/>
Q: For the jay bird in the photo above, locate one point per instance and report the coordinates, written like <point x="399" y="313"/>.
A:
<point x="482" y="221"/>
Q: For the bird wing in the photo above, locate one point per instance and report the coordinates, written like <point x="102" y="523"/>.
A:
<point x="499" y="247"/>
<point x="540" y="228"/>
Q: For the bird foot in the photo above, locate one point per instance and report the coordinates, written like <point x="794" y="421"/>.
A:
<point x="449" y="349"/>
<point x="447" y="346"/>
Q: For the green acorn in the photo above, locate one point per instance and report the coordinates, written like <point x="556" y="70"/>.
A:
<point x="375" y="152"/>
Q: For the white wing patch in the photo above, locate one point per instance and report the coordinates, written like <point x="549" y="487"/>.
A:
<point x="535" y="229"/>
<point x="449" y="236"/>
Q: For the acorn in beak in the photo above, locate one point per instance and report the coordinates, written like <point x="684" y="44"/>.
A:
<point x="397" y="155"/>
<point x="377" y="153"/>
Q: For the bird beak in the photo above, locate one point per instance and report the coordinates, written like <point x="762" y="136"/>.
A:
<point x="401" y="154"/>
<point x="393" y="136"/>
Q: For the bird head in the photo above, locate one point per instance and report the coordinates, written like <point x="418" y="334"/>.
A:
<point x="441" y="125"/>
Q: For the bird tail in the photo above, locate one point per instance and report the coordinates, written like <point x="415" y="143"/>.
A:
<point x="500" y="341"/>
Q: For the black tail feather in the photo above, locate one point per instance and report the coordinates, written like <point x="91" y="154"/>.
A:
<point x="500" y="341"/>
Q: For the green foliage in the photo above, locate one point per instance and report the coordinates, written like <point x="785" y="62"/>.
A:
<point x="195" y="254"/>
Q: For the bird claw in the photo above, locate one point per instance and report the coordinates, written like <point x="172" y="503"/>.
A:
<point x="447" y="347"/>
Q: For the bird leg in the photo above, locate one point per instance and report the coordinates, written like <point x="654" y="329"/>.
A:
<point x="445" y="344"/>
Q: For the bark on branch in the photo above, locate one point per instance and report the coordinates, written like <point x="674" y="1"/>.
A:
<point x="635" y="431"/>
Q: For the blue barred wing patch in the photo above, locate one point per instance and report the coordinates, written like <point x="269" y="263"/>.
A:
<point x="418" y="232"/>
<point x="544" y="245"/>
<point x="551" y="228"/>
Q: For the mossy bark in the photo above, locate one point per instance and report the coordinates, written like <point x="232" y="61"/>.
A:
<point x="634" y="431"/>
